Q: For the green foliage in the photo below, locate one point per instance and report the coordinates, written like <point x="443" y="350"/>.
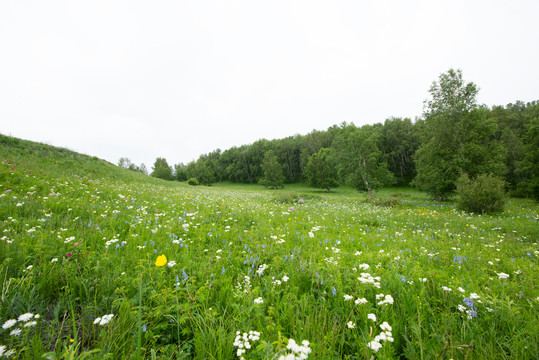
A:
<point x="456" y="137"/>
<point x="125" y="163"/>
<point x="273" y="171"/>
<point x="285" y="197"/>
<point x="361" y="162"/>
<point x="398" y="141"/>
<point x="386" y="202"/>
<point x="321" y="170"/>
<point x="192" y="181"/>
<point x="484" y="194"/>
<point x="180" y="172"/>
<point x="162" y="170"/>
<point x="204" y="173"/>
<point x="530" y="163"/>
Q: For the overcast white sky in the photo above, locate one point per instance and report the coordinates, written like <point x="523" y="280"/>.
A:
<point x="176" y="79"/>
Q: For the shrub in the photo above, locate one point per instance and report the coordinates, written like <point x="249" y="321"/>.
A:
<point x="286" y="197"/>
<point x="192" y="181"/>
<point x="385" y="202"/>
<point x="484" y="194"/>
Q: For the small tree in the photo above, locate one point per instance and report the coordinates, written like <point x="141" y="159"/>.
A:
<point x="320" y="170"/>
<point x="273" y="171"/>
<point x="180" y="172"/>
<point x="457" y="137"/>
<point x="204" y="173"/>
<point x="124" y="163"/>
<point x="142" y="169"/>
<point x="161" y="169"/>
<point x="360" y="160"/>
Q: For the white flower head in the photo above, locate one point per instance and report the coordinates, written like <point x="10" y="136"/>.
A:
<point x="374" y="345"/>
<point x="371" y="317"/>
<point x="26" y="317"/>
<point x="9" y="324"/>
<point x="502" y="276"/>
<point x="361" y="301"/>
<point x="103" y="320"/>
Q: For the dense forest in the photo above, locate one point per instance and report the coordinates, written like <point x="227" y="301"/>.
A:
<point x="455" y="136"/>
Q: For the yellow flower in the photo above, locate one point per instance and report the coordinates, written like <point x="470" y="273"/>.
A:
<point x="161" y="260"/>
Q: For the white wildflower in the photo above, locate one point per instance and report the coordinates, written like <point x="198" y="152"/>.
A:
<point x="385" y="326"/>
<point x="374" y="345"/>
<point x="103" y="320"/>
<point x="361" y="301"/>
<point x="26" y="317"/>
<point x="9" y="324"/>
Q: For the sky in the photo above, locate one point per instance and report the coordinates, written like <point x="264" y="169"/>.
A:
<point x="178" y="79"/>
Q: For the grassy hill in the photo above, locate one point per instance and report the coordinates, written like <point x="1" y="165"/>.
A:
<point x="100" y="262"/>
<point x="47" y="160"/>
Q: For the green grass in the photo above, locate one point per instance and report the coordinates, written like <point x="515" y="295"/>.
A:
<point x="106" y="227"/>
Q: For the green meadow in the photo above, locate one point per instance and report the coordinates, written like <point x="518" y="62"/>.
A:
<point x="99" y="262"/>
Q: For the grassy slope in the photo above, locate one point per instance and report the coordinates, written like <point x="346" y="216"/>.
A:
<point x="95" y="202"/>
<point x="49" y="161"/>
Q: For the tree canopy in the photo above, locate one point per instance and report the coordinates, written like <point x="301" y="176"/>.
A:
<point x="321" y="170"/>
<point x="455" y="136"/>
<point x="161" y="169"/>
<point x="272" y="170"/>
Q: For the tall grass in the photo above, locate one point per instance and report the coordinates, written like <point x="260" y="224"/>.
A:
<point x="80" y="239"/>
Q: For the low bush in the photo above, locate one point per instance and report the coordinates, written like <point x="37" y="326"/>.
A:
<point x="386" y="202"/>
<point x="192" y="181"/>
<point x="286" y="197"/>
<point x="484" y="194"/>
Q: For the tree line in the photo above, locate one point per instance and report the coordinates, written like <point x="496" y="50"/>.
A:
<point x="455" y="136"/>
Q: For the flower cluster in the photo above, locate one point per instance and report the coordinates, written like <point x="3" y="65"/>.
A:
<point x="298" y="352"/>
<point x="387" y="300"/>
<point x="104" y="320"/>
<point x="243" y="288"/>
<point x="5" y="353"/>
<point x="469" y="301"/>
<point x="366" y="278"/>
<point x="261" y="269"/>
<point x="243" y="342"/>
<point x="385" y="335"/>
<point x="24" y="318"/>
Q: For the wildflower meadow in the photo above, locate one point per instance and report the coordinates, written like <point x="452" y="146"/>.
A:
<point x="97" y="262"/>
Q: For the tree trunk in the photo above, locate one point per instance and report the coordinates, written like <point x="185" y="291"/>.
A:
<point x="364" y="177"/>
